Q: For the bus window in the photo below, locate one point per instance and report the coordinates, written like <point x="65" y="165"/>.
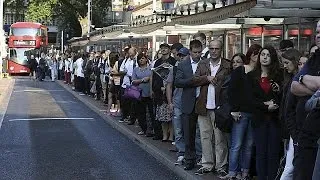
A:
<point x="24" y="31"/>
<point x="19" y="55"/>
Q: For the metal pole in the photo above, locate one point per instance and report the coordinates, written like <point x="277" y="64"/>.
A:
<point x="262" y="36"/>
<point x="89" y="16"/>
<point x="2" y="45"/>
<point x="299" y="33"/>
<point x="62" y="43"/>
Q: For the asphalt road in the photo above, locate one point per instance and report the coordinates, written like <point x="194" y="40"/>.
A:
<point x="48" y="134"/>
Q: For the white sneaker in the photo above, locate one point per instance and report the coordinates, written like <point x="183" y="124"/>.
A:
<point x="179" y="160"/>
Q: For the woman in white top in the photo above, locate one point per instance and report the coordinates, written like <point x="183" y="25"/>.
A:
<point x="67" y="74"/>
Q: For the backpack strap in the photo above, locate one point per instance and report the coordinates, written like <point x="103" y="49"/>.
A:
<point x="206" y="54"/>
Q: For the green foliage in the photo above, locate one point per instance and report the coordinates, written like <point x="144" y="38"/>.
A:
<point x="67" y="13"/>
<point x="40" y="10"/>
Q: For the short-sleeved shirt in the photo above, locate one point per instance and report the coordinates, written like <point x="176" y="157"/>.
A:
<point x="127" y="66"/>
<point x="139" y="73"/>
<point x="177" y="93"/>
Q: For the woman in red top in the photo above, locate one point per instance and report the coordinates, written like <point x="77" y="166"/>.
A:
<point x="266" y="97"/>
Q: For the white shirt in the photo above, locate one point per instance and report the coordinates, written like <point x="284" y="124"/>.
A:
<point x="194" y="65"/>
<point x="211" y="96"/>
<point x="61" y="64"/>
<point x="79" y="70"/>
<point x="71" y="64"/>
<point x="67" y="65"/>
<point x="127" y="66"/>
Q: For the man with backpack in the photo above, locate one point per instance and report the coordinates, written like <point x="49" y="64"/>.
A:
<point x="126" y="68"/>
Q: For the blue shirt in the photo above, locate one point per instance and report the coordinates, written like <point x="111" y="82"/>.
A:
<point x="312" y="103"/>
<point x="303" y="71"/>
<point x="139" y="73"/>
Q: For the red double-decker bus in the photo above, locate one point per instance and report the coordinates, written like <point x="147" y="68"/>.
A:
<point x="25" y="39"/>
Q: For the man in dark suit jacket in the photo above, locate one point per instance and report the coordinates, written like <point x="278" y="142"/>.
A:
<point x="184" y="75"/>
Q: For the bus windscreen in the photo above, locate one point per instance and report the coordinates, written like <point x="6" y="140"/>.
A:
<point x="24" y="32"/>
<point x="20" y="55"/>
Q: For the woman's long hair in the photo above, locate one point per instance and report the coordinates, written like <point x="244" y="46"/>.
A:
<point x="274" y="71"/>
<point x="253" y="49"/>
<point x="294" y="56"/>
<point x="242" y="56"/>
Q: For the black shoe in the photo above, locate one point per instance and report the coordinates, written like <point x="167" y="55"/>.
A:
<point x="222" y="173"/>
<point x="203" y="171"/>
<point x="189" y="167"/>
<point x="157" y="138"/>
<point x="131" y="123"/>
<point x="149" y="135"/>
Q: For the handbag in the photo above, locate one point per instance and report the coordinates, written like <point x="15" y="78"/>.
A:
<point x="223" y="120"/>
<point x="92" y="77"/>
<point x="93" y="89"/>
<point x="132" y="92"/>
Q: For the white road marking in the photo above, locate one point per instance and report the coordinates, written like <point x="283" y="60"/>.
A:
<point x="48" y="118"/>
<point x="37" y="90"/>
<point x="103" y="110"/>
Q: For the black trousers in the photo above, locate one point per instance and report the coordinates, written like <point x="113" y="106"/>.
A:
<point x="87" y="84"/>
<point x="76" y="82"/>
<point x="307" y="148"/>
<point x="141" y="111"/>
<point x="303" y="162"/>
<point x="189" y="123"/>
<point x="98" y="87"/>
<point x="81" y="84"/>
<point x="128" y="107"/>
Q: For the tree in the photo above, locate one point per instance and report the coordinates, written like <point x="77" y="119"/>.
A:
<point x="16" y="5"/>
<point x="42" y="14"/>
<point x="68" y="13"/>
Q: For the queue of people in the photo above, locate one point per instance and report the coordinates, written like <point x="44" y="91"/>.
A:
<point x="235" y="118"/>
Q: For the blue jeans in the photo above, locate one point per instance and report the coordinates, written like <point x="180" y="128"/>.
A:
<point x="241" y="145"/>
<point x="316" y="170"/>
<point x="179" y="138"/>
<point x="178" y="131"/>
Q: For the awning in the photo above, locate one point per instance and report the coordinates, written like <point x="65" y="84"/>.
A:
<point x="214" y="15"/>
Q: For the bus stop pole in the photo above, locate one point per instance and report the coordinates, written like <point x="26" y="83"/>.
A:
<point x="2" y="39"/>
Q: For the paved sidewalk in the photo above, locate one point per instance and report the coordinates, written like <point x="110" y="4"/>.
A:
<point x="158" y="149"/>
<point x="6" y="87"/>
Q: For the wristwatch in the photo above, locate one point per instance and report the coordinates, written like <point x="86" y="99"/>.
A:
<point x="300" y="79"/>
